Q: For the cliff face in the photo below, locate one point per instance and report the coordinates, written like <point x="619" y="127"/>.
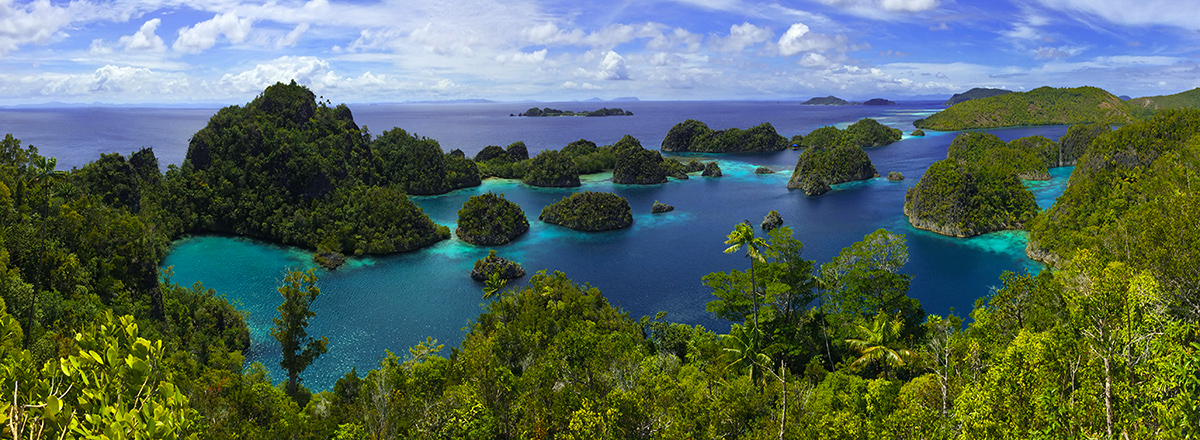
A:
<point x="819" y="168"/>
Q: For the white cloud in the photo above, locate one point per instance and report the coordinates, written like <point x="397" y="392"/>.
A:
<point x="799" y="38"/>
<point x="605" y="38"/>
<point x="1056" y="53"/>
<point x="742" y="36"/>
<point x="292" y="37"/>
<point x="572" y="85"/>
<point x="311" y="71"/>
<point x="34" y="23"/>
<point x="204" y="35"/>
<point x="883" y="9"/>
<point x="534" y="57"/>
<point x="613" y="67"/>
<point x="1133" y="12"/>
<point x="144" y="39"/>
<point x="110" y="80"/>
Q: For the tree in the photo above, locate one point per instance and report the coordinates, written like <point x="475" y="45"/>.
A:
<point x="743" y="235"/>
<point x="43" y="171"/>
<point x="299" y="289"/>
<point x="882" y="342"/>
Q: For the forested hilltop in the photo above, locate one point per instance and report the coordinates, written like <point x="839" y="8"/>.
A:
<point x="95" y="342"/>
<point x="1041" y="106"/>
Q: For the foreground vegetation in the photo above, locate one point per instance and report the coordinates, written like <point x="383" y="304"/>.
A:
<point x="95" y="342"/>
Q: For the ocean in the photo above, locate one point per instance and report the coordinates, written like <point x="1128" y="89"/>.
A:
<point x="391" y="303"/>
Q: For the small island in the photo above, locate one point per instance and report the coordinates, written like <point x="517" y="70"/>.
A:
<point x="589" y="211"/>
<point x="550" y="112"/>
<point x="489" y="219"/>
<point x="975" y="190"/>
<point x="694" y="136"/>
<point x="659" y="208"/>
<point x="636" y="165"/>
<point x="771" y="221"/>
<point x="712" y="169"/>
<point x="827" y="100"/>
<point x="895" y="176"/>
<point x="493" y="264"/>
<point x="817" y="169"/>
<point x="878" y="101"/>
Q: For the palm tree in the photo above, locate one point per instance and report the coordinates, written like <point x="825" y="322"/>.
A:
<point x="43" y="170"/>
<point x="745" y="352"/>
<point x="743" y="235"/>
<point x="881" y="343"/>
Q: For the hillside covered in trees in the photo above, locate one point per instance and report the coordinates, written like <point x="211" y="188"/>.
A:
<point x="1041" y="106"/>
<point x="695" y="137"/>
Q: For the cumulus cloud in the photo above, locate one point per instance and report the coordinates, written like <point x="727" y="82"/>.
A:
<point x="613" y="67"/>
<point x="799" y="39"/>
<point x="311" y="71"/>
<point x="204" y="34"/>
<point x="145" y="39"/>
<point x="572" y="85"/>
<point x="534" y="57"/>
<point x="742" y="36"/>
<point x="36" y="22"/>
<point x="605" y="38"/>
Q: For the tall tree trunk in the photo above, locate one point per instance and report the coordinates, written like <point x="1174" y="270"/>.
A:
<point x="1108" y="410"/>
<point x="783" y="389"/>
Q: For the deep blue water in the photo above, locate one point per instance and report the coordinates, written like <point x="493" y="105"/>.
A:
<point x="391" y="303"/>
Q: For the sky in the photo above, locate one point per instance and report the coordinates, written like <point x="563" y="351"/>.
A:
<point x="227" y="51"/>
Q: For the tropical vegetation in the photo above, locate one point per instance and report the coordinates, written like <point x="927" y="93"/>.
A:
<point x="489" y="219"/>
<point x="589" y="211"/>
<point x="694" y="136"/>
<point x="1041" y="106"/>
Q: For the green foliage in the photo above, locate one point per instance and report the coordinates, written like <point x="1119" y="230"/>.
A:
<point x="299" y="290"/>
<point x="287" y="169"/>
<point x="489" y="219"/>
<point x="975" y="93"/>
<point x="819" y="168"/>
<point x="694" y="136"/>
<point x="553" y="169"/>
<point x="977" y="189"/>
<point x="1041" y="106"/>
<point x="589" y="211"/>
<point x="867" y="133"/>
<point x="492" y="268"/>
<point x="636" y="165"/>
<point x="1186" y="99"/>
<point x="588" y="158"/>
<point x="824" y="137"/>
<point x="512" y="163"/>
<point x="418" y="165"/>
<point x="1076" y="141"/>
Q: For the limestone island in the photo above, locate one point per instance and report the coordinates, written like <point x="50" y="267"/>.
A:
<point x="975" y="190"/>
<point x="878" y="101"/>
<point x="659" y="208"/>
<point x="712" y="170"/>
<point x="489" y="219"/>
<point x="694" y="136"/>
<point x="763" y="170"/>
<point x="771" y="221"/>
<point x="828" y="100"/>
<point x="589" y="211"/>
<point x="493" y="264"/>
<point x="549" y="112"/>
<point x="895" y="176"/>
<point x="285" y="168"/>
<point x="834" y="156"/>
<point x="975" y="93"/>
<point x="636" y="165"/>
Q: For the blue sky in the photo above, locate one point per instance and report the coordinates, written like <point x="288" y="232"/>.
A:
<point x="227" y="51"/>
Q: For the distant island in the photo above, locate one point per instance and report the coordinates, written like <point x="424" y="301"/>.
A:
<point x="547" y="112"/>
<point x="1041" y="106"/>
<point x="694" y="136"/>
<point x="828" y="100"/>
<point x="878" y="101"/>
<point x="975" y="93"/>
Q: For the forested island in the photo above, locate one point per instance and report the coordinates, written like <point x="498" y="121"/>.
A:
<point x="1041" y="106"/>
<point x="827" y="100"/>
<point x="547" y="112"/>
<point x="878" y="101"/>
<point x="834" y="156"/>
<point x="694" y="136"/>
<point x="589" y="211"/>
<point x="489" y="219"/>
<point x="94" y="342"/>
